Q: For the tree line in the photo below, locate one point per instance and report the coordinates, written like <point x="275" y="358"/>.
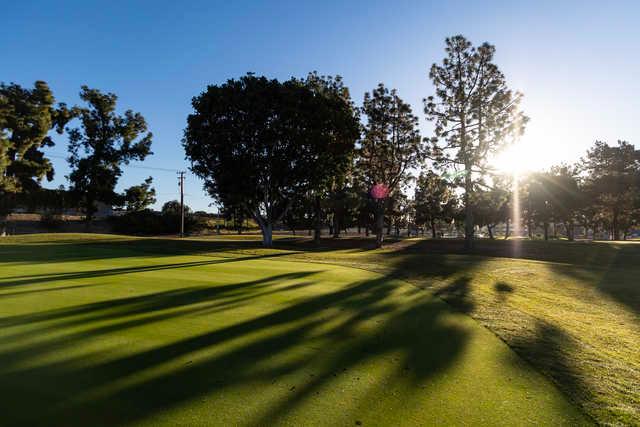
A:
<point x="99" y="145"/>
<point x="278" y="151"/>
<point x="302" y="154"/>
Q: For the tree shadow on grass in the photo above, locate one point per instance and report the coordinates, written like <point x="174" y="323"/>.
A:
<point x="90" y="389"/>
<point x="551" y="350"/>
<point x="34" y="279"/>
<point x="612" y="277"/>
<point x="457" y="294"/>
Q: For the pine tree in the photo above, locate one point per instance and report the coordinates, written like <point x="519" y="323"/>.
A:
<point x="474" y="112"/>
<point x="391" y="146"/>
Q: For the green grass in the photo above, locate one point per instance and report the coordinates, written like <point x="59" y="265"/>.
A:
<point x="106" y="330"/>
<point x="571" y="309"/>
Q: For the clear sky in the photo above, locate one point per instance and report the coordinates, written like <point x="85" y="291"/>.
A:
<point x="576" y="62"/>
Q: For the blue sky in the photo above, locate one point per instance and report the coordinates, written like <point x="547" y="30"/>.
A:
<point x="576" y="62"/>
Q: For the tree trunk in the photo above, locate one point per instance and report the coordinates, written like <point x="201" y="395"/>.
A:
<point x="267" y="235"/>
<point x="366" y="230"/>
<point x="379" y="225"/>
<point x="569" y="228"/>
<point x="546" y="231"/>
<point x="318" y="213"/>
<point x="506" y="232"/>
<point x="336" y="226"/>
<point x="615" y="227"/>
<point x="530" y="229"/>
<point x="468" y="210"/>
<point x="397" y="231"/>
<point x="433" y="229"/>
<point x="266" y="228"/>
<point x="3" y="225"/>
<point x="359" y="229"/>
<point x="490" y="230"/>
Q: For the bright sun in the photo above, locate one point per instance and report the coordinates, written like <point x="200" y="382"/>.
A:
<point x="519" y="158"/>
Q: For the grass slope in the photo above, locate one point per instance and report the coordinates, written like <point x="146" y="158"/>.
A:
<point x="113" y="331"/>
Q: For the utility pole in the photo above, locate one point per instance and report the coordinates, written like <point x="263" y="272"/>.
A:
<point x="181" y="183"/>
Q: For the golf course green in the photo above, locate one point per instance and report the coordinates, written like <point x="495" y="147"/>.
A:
<point x="107" y="330"/>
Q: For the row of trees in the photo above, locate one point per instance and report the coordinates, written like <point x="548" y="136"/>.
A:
<point x="276" y="150"/>
<point x="301" y="153"/>
<point x="101" y="143"/>
<point x="600" y="194"/>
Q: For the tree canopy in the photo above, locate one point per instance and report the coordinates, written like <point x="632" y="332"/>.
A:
<point x="26" y="118"/>
<point x="140" y="197"/>
<point x="474" y="112"/>
<point x="391" y="145"/>
<point x="260" y="143"/>
<point x="104" y="142"/>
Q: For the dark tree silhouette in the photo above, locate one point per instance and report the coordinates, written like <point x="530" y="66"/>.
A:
<point x="612" y="181"/>
<point x="140" y="197"/>
<point x="391" y="146"/>
<point x="331" y="176"/>
<point x="474" y="112"/>
<point x="260" y="144"/>
<point x="104" y="142"/>
<point x="435" y="201"/>
<point x="26" y="118"/>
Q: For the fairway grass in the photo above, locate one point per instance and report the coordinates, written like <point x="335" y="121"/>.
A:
<point x="122" y="331"/>
<point x="570" y="309"/>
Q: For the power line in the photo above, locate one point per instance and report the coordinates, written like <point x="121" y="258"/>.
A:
<point x="58" y="156"/>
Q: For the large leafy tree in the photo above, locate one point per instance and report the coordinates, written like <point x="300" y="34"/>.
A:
<point x="474" y="112"/>
<point x="260" y="144"/>
<point x="331" y="179"/>
<point x="390" y="148"/>
<point x="140" y="197"/>
<point x="611" y="180"/>
<point x="26" y="118"/>
<point x="435" y="201"/>
<point x="99" y="148"/>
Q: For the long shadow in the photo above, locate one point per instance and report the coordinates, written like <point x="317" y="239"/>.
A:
<point x="91" y="389"/>
<point x="550" y="349"/>
<point x="12" y="281"/>
<point x="615" y="276"/>
<point x="70" y="390"/>
<point x="612" y="268"/>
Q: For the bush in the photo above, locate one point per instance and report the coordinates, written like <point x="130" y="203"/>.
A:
<point x="145" y="222"/>
<point x="148" y="222"/>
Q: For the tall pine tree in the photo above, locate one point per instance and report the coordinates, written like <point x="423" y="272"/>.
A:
<point x="474" y="112"/>
<point x="391" y="146"/>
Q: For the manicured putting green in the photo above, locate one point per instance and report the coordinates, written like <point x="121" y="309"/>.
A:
<point x="96" y="332"/>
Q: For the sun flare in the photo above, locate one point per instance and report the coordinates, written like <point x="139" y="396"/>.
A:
<point x="519" y="159"/>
